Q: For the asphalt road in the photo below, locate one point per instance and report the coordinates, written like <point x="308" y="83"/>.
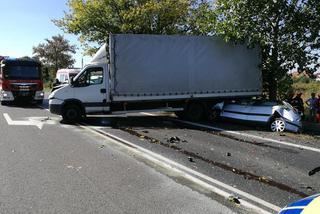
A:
<point x="63" y="169"/>
<point x="67" y="169"/>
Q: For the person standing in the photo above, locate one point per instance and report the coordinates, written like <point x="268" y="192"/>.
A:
<point x="297" y="103"/>
<point x="318" y="110"/>
<point x="312" y="104"/>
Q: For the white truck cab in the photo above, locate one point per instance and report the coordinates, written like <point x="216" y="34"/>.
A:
<point x="87" y="93"/>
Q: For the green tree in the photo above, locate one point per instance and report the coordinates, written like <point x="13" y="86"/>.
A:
<point x="55" y="52"/>
<point x="93" y="20"/>
<point x="287" y="31"/>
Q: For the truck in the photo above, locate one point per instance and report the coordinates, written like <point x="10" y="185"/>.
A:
<point x="63" y="76"/>
<point x="20" y="79"/>
<point x="187" y="75"/>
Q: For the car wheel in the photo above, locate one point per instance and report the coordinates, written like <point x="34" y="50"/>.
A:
<point x="278" y="125"/>
<point x="71" y="113"/>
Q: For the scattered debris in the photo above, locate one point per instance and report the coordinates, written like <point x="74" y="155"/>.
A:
<point x="13" y="150"/>
<point x="69" y="167"/>
<point x="174" y="139"/>
<point x="101" y="146"/>
<point x="190" y="159"/>
<point x="264" y="179"/>
<point x="234" y="199"/>
<point x="314" y="171"/>
<point x="228" y="154"/>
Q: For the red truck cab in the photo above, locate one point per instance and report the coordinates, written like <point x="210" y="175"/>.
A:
<point x="20" y="79"/>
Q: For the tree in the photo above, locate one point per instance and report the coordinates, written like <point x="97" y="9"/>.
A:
<point x="288" y="32"/>
<point x="93" y="20"/>
<point x="55" y="53"/>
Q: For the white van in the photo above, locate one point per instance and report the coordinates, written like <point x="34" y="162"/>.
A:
<point x="65" y="74"/>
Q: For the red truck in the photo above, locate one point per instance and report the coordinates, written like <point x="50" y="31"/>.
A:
<point x="20" y="79"/>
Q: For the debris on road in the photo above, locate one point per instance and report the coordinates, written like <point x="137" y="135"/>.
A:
<point x="190" y="159"/>
<point x="234" y="199"/>
<point x="174" y="139"/>
<point x="228" y="154"/>
<point x="314" y="171"/>
<point x="101" y="146"/>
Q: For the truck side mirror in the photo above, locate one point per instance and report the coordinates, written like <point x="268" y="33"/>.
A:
<point x="71" y="81"/>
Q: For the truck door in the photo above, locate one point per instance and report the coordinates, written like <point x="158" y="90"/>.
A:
<point x="90" y="89"/>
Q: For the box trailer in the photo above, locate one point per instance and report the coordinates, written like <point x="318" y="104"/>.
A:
<point x="184" y="74"/>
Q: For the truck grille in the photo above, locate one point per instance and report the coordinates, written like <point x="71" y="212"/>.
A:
<point x="23" y="86"/>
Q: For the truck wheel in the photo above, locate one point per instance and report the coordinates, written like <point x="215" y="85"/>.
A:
<point x="4" y="103"/>
<point x="195" y="112"/>
<point x="214" y="114"/>
<point x="71" y="113"/>
<point x="277" y="125"/>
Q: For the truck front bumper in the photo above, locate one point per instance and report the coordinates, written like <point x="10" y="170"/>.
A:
<point x="11" y="96"/>
<point x="6" y="96"/>
<point x="55" y="106"/>
<point x="39" y="95"/>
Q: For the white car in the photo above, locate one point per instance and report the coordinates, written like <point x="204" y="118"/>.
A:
<point x="278" y="117"/>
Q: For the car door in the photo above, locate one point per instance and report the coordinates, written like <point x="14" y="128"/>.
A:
<point x="235" y="111"/>
<point x="91" y="89"/>
<point x="260" y="113"/>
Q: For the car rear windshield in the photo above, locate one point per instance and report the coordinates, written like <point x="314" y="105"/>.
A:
<point x="20" y="72"/>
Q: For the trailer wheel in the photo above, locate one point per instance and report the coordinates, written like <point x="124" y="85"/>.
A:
<point x="195" y="112"/>
<point x="4" y="103"/>
<point x="214" y="115"/>
<point x="71" y="113"/>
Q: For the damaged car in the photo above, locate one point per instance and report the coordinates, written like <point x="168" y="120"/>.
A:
<point x="278" y="116"/>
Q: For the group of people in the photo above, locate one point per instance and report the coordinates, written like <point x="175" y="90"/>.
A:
<point x="313" y="104"/>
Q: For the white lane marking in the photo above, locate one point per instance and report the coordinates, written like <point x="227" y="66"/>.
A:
<point x="244" y="134"/>
<point x="28" y="122"/>
<point x="186" y="172"/>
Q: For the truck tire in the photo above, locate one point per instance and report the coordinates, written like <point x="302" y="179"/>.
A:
<point x="195" y="112"/>
<point x="4" y="103"/>
<point x="71" y="113"/>
<point x="214" y="115"/>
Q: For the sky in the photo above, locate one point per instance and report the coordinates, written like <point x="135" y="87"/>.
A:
<point x="27" y="23"/>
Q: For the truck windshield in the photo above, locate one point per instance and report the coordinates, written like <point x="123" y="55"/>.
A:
<point x="22" y="72"/>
